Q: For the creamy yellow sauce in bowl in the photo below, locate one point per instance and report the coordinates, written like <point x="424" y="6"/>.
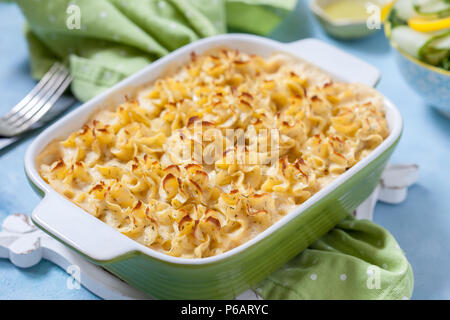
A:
<point x="354" y="10"/>
<point x="349" y="19"/>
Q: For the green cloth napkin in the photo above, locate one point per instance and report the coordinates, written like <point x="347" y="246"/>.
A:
<point x="119" y="37"/>
<point x="356" y="260"/>
<point x="116" y="38"/>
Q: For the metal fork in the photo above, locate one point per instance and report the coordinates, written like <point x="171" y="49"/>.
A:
<point x="37" y="103"/>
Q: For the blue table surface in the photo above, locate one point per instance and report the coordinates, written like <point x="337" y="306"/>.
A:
<point x="421" y="224"/>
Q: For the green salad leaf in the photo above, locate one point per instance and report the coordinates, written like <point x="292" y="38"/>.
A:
<point x="432" y="7"/>
<point x="395" y="19"/>
<point x="430" y="47"/>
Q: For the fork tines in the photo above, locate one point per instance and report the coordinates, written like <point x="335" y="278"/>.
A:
<point x="37" y="103"/>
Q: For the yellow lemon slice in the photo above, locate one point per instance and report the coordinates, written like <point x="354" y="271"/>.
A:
<point x="428" y="25"/>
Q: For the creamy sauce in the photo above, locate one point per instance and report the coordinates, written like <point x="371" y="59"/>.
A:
<point x="354" y="10"/>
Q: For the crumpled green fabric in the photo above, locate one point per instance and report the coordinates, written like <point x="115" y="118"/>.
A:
<point x="118" y="37"/>
<point x="356" y="260"/>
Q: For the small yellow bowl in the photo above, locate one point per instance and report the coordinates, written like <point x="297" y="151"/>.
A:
<point x="341" y="28"/>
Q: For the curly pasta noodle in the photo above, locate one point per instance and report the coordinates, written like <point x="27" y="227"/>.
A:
<point x="126" y="166"/>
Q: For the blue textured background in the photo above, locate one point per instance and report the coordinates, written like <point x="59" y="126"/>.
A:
<point x="421" y="224"/>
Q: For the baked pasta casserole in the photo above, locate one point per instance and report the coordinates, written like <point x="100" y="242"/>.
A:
<point x="202" y="160"/>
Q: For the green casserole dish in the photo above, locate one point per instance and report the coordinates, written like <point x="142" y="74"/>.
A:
<point x="227" y="275"/>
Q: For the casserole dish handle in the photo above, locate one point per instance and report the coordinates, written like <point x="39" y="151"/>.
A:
<point x="336" y="62"/>
<point x="78" y="229"/>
